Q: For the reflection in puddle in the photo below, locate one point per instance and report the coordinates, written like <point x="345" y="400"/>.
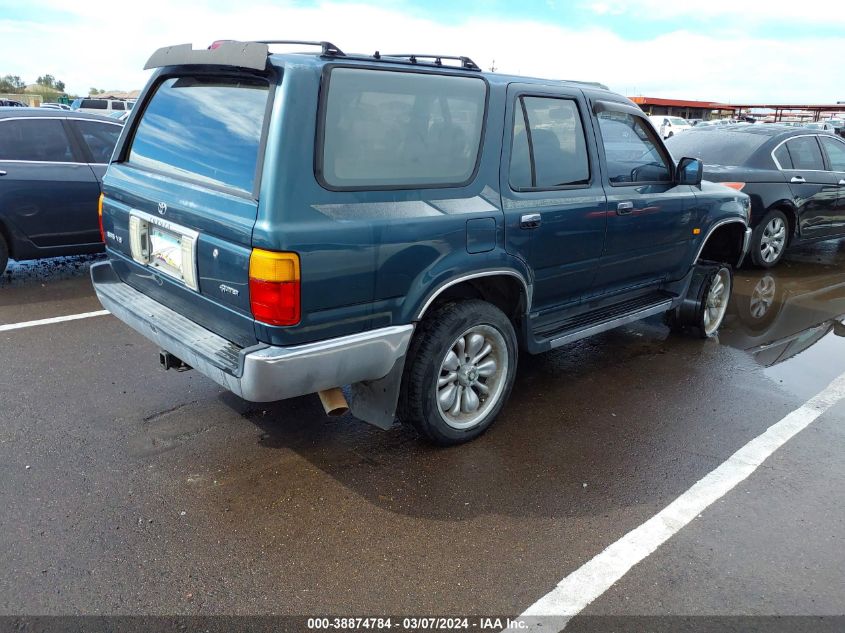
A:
<point x="790" y="320"/>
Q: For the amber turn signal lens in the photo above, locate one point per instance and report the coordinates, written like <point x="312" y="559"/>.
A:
<point x="735" y="185"/>
<point x="274" y="291"/>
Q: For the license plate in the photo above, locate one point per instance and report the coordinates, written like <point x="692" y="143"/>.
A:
<point x="166" y="252"/>
<point x="165" y="246"/>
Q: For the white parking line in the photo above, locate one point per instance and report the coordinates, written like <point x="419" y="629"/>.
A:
<point x="572" y="594"/>
<point x="69" y="317"/>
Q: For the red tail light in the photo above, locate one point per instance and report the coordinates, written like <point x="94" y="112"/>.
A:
<point x="274" y="288"/>
<point x="100" y="218"/>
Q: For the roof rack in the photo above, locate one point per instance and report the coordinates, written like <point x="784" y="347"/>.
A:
<point x="414" y="58"/>
<point x="327" y="48"/>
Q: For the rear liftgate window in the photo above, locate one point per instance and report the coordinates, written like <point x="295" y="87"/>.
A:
<point x="400" y="129"/>
<point x="203" y="129"/>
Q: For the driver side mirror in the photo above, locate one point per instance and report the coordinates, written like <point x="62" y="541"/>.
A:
<point x="690" y="172"/>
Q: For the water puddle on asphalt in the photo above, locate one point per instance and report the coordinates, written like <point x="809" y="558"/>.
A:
<point x="791" y="319"/>
<point x="35" y="272"/>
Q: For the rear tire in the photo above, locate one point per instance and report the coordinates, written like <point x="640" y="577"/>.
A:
<point x="770" y="239"/>
<point x="4" y="254"/>
<point x="460" y="370"/>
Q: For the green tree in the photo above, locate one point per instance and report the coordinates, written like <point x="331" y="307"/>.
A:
<point x="49" y="81"/>
<point x="12" y="83"/>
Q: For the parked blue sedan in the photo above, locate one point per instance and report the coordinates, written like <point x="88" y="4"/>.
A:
<point x="51" y="167"/>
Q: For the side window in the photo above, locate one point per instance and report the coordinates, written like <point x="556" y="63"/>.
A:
<point x="36" y="140"/>
<point x="805" y="153"/>
<point x="549" y="148"/>
<point x="631" y="150"/>
<point x="835" y="152"/>
<point x="99" y="137"/>
<point x="117" y="105"/>
<point x="400" y="129"/>
<point x="782" y="157"/>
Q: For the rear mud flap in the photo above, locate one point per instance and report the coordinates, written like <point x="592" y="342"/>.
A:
<point x="374" y="401"/>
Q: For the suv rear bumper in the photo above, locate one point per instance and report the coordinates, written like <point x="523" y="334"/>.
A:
<point x="262" y="373"/>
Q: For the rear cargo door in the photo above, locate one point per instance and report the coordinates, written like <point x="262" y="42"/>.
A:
<point x="181" y="197"/>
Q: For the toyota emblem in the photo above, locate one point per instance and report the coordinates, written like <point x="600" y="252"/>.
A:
<point x="162" y="208"/>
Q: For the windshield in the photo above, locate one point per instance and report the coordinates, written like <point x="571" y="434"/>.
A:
<point x="206" y="129"/>
<point x="716" y="145"/>
<point x="677" y="120"/>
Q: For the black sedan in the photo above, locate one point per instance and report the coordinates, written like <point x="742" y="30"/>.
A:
<point x="51" y="166"/>
<point x="795" y="177"/>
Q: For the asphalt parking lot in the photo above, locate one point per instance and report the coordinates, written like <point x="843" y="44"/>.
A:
<point x="129" y="490"/>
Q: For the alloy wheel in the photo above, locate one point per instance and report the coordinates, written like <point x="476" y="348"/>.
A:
<point x="773" y="240"/>
<point x="472" y="376"/>
<point x="716" y="303"/>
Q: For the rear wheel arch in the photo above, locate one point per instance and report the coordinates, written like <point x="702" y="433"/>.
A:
<point x="506" y="289"/>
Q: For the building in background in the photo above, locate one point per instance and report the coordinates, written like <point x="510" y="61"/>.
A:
<point x="714" y="110"/>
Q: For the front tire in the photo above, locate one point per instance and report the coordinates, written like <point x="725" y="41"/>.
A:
<point x="460" y="370"/>
<point x="769" y="239"/>
<point x="704" y="308"/>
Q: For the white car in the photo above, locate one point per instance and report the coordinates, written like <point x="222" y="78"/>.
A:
<point x="93" y="105"/>
<point x="668" y="126"/>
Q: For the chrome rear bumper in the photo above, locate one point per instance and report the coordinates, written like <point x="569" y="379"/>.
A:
<point x="262" y="373"/>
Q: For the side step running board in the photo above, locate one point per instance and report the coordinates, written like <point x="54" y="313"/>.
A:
<point x="587" y="324"/>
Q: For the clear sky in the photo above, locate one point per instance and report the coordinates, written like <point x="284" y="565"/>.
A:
<point x="775" y="52"/>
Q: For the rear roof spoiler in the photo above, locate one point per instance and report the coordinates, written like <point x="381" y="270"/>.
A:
<point x="226" y="53"/>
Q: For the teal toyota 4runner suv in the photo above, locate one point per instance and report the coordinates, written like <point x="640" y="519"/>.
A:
<point x="399" y="225"/>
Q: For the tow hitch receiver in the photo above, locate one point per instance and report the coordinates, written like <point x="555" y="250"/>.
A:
<point x="169" y="361"/>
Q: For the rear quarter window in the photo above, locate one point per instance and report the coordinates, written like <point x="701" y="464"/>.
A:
<point x="388" y="129"/>
<point x="805" y="153"/>
<point x="205" y="129"/>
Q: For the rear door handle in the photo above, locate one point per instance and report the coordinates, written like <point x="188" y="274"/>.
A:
<point x="797" y="179"/>
<point x="2" y="173"/>
<point x="530" y="221"/>
<point x="624" y="208"/>
<point x="841" y="182"/>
